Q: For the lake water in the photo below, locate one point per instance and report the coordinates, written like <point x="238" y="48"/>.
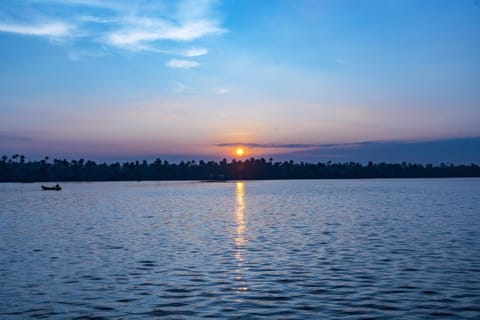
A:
<point x="256" y="249"/>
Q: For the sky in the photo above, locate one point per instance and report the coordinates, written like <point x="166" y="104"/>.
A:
<point x="304" y="79"/>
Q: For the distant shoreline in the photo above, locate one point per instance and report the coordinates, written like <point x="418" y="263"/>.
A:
<point x="235" y="180"/>
<point x="17" y="169"/>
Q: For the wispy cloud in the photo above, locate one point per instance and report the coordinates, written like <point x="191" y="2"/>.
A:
<point x="95" y="19"/>
<point x="78" y="55"/>
<point x="140" y="31"/>
<point x="191" y="10"/>
<point x="153" y="26"/>
<point x="222" y="90"/>
<point x="13" y="138"/>
<point x="179" y="87"/>
<point x="182" y="64"/>
<point x="296" y="145"/>
<point x="105" y="4"/>
<point x="268" y="145"/>
<point x="195" y="52"/>
<point x="50" y="30"/>
<point x="461" y="150"/>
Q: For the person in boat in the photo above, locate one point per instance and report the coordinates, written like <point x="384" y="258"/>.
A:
<point x="57" y="186"/>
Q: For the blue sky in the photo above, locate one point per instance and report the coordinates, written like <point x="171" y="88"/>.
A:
<point x="117" y="79"/>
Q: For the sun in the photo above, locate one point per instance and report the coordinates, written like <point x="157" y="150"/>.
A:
<point x="239" y="152"/>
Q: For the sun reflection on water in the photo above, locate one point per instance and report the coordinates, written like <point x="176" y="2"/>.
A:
<point x="240" y="240"/>
<point x="240" y="220"/>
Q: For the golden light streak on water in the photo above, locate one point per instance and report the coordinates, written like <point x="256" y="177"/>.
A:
<point x="240" y="215"/>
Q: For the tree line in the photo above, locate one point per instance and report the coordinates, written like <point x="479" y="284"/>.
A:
<point x="17" y="169"/>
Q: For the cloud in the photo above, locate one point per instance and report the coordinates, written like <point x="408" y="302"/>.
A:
<point x="268" y="145"/>
<point x="459" y="151"/>
<point x="151" y="26"/>
<point x="50" y="30"/>
<point x="104" y="4"/>
<point x="181" y="64"/>
<point x="78" y="55"/>
<point x="139" y="31"/>
<point x="5" y="137"/>
<point x="300" y="145"/>
<point x="190" y="10"/>
<point x="94" y="19"/>
<point x="179" y="87"/>
<point x="222" y="90"/>
<point x="195" y="52"/>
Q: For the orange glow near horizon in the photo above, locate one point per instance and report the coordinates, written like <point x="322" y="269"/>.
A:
<point x="239" y="152"/>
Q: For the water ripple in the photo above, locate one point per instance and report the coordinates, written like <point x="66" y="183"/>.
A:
<point x="268" y="249"/>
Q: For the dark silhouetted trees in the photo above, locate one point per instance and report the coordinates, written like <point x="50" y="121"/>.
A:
<point x="17" y="169"/>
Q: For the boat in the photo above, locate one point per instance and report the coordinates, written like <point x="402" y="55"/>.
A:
<point x="54" y="188"/>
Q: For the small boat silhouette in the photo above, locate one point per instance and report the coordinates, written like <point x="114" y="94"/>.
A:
<point x="54" y="188"/>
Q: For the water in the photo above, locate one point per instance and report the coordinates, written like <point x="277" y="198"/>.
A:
<point x="260" y="249"/>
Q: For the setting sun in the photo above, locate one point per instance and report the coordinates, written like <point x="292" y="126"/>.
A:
<point x="239" y="152"/>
